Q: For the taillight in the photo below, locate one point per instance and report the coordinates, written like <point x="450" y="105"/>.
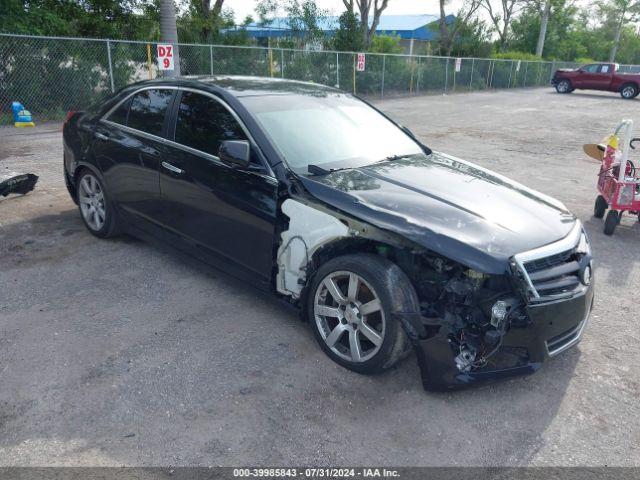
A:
<point x="70" y="114"/>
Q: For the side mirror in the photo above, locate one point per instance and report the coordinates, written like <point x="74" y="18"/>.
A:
<point x="235" y="153"/>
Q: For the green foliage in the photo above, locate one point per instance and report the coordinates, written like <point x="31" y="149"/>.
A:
<point x="130" y="19"/>
<point x="348" y="37"/>
<point x="472" y="39"/>
<point x="513" y="55"/>
<point x="386" y="44"/>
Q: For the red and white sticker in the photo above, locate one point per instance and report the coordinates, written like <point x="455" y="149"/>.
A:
<point x="165" y="57"/>
<point x="360" y="64"/>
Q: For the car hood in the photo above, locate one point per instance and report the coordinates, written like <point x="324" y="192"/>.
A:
<point x="452" y="207"/>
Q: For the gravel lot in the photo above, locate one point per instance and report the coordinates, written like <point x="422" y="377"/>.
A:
<point x="118" y="353"/>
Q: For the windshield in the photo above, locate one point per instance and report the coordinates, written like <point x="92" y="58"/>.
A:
<point x="328" y="130"/>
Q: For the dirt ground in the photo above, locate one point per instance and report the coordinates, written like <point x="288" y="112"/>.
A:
<point x="118" y="353"/>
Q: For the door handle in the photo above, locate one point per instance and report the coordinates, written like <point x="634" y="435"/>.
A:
<point x="172" y="168"/>
<point x="100" y="136"/>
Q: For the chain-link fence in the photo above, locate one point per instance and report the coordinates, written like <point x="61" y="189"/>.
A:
<point x="52" y="75"/>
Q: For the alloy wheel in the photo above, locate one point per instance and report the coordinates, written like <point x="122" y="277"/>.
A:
<point x="349" y="316"/>
<point x="91" y="200"/>
<point x="628" y="91"/>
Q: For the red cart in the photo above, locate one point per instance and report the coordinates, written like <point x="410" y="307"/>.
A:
<point x="619" y="187"/>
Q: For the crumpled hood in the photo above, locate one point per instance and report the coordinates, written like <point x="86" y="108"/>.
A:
<point x="452" y="207"/>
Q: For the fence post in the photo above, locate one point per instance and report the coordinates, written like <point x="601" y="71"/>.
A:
<point x="473" y="64"/>
<point x="510" y="73"/>
<point x="337" y="70"/>
<point x="493" y="67"/>
<point x="553" y="69"/>
<point x="526" y="72"/>
<point x="419" y="75"/>
<point x="110" y="66"/>
<point x="384" y="66"/>
<point x="446" y="75"/>
<point x="211" y="58"/>
<point x="282" y="62"/>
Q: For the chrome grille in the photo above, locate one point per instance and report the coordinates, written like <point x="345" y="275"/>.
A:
<point x="553" y="272"/>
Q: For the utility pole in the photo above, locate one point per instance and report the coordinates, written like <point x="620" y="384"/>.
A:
<point x="169" y="33"/>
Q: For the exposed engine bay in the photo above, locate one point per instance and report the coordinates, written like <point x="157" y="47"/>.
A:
<point x="475" y="308"/>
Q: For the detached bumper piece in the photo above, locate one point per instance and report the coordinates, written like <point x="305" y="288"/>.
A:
<point x="19" y="183"/>
<point x="550" y="329"/>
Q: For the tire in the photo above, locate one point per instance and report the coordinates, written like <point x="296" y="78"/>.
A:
<point x="611" y="222"/>
<point x="564" y="86"/>
<point x="600" y="207"/>
<point x="377" y="278"/>
<point x="629" y="91"/>
<point x="96" y="211"/>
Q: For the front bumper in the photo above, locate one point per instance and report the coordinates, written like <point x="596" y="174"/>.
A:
<point x="553" y="327"/>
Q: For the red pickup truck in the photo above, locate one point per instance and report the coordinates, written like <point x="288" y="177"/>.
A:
<point x="597" y="76"/>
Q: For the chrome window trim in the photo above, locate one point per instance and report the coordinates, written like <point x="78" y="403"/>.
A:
<point x="267" y="168"/>
<point x="567" y="243"/>
<point x="142" y="89"/>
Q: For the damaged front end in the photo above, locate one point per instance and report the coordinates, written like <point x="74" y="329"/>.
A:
<point x="478" y="327"/>
<point x="466" y="326"/>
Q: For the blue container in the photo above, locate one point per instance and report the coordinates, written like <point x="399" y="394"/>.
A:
<point x="21" y="117"/>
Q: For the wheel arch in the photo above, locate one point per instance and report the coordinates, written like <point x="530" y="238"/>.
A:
<point x="632" y="83"/>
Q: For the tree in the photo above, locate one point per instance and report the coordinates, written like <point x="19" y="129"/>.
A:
<point x="544" y="21"/>
<point x="304" y="17"/>
<point x="448" y="32"/>
<point x="208" y="16"/>
<point x="621" y="12"/>
<point x="365" y="9"/>
<point x="169" y="32"/>
<point x="347" y="37"/>
<point x="502" y="20"/>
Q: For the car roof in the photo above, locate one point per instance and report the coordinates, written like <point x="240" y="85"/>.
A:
<point x="243" y="86"/>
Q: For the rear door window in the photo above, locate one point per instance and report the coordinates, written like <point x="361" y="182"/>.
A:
<point x="203" y="123"/>
<point x="148" y="109"/>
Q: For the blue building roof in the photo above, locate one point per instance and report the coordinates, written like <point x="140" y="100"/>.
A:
<point x="405" y="26"/>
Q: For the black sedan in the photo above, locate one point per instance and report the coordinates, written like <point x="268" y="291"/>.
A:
<point x="313" y="194"/>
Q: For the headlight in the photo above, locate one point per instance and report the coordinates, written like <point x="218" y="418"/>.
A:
<point x="583" y="246"/>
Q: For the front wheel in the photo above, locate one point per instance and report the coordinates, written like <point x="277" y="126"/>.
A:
<point x="350" y="305"/>
<point x="629" y="91"/>
<point x="611" y="222"/>
<point x="96" y="211"/>
<point x="600" y="207"/>
<point x="563" y="86"/>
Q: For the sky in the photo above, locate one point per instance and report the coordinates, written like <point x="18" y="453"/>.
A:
<point x="242" y="8"/>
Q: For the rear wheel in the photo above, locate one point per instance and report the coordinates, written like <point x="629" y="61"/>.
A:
<point x="629" y="91"/>
<point x="96" y="211"/>
<point x="563" y="86"/>
<point x="600" y="207"/>
<point x="350" y="309"/>
<point x="611" y="222"/>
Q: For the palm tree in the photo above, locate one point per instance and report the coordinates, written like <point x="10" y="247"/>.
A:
<point x="169" y="33"/>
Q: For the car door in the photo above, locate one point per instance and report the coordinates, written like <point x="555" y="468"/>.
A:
<point x="604" y="77"/>
<point x="128" y="146"/>
<point x="227" y="212"/>
<point x="590" y="77"/>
